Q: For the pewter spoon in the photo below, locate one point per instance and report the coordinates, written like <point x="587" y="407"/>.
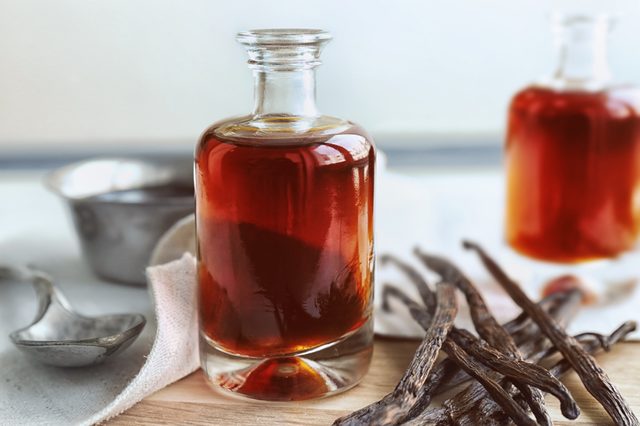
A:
<point x="59" y="336"/>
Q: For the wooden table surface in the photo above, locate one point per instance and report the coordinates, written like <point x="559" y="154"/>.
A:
<point x="191" y="401"/>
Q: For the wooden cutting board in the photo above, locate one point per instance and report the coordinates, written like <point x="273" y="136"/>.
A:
<point x="191" y="401"/>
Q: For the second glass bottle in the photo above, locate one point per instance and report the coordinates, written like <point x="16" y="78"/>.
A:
<point x="573" y="154"/>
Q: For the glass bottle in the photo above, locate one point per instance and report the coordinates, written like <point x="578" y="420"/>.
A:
<point x="573" y="154"/>
<point x="284" y="212"/>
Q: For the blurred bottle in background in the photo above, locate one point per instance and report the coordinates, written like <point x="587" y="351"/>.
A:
<point x="573" y="154"/>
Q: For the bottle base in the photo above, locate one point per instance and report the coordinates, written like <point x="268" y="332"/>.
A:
<point x="601" y="278"/>
<point x="567" y="257"/>
<point x="318" y="373"/>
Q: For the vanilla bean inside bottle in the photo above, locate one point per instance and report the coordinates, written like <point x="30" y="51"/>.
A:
<point x="285" y="234"/>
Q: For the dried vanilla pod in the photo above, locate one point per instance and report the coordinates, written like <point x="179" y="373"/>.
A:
<point x="491" y="366"/>
<point x="485" y="412"/>
<point x="591" y="374"/>
<point x="479" y="411"/>
<point x="466" y="350"/>
<point x="591" y="344"/>
<point x="397" y="403"/>
<point x="464" y="361"/>
<point x="519" y="371"/>
<point x="426" y="294"/>
<point x="496" y="333"/>
<point x="602" y="343"/>
<point x="561" y="306"/>
<point x="493" y="388"/>
<point x="489" y="329"/>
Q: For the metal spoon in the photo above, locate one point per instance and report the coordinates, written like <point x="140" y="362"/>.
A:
<point x="59" y="336"/>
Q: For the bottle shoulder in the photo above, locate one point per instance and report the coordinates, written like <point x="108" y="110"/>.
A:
<point x="281" y="131"/>
<point x="539" y="99"/>
<point x="349" y="144"/>
<point x="278" y="126"/>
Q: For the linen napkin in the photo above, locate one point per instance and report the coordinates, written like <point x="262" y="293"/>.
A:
<point x="35" y="394"/>
<point x="174" y="353"/>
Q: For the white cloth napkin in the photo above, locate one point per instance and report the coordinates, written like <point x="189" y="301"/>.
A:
<point x="35" y="394"/>
<point x="174" y="353"/>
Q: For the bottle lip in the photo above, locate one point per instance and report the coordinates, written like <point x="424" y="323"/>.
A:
<point x="572" y="18"/>
<point x="283" y="36"/>
<point x="581" y="40"/>
<point x="283" y="49"/>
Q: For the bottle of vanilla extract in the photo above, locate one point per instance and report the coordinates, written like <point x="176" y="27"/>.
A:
<point x="573" y="154"/>
<point x="284" y="212"/>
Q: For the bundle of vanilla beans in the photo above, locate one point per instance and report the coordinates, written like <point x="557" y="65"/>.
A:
<point x="506" y="369"/>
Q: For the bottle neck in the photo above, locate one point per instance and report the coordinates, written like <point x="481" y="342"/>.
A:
<point x="290" y="92"/>
<point x="582" y="53"/>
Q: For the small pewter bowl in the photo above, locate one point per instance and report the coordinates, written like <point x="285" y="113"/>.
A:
<point x="61" y="337"/>
<point x="122" y="206"/>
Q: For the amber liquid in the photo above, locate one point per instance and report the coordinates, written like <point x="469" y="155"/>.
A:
<point x="573" y="173"/>
<point x="285" y="240"/>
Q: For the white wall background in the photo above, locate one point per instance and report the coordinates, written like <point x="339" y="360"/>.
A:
<point x="137" y="73"/>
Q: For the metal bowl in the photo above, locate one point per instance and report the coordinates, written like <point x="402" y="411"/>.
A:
<point x="122" y="206"/>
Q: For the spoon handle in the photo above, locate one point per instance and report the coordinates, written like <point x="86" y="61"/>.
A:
<point x="47" y="292"/>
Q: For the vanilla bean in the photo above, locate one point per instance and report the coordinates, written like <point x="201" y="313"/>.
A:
<point x="396" y="404"/>
<point x="538" y="354"/>
<point x="435" y="416"/>
<point x="591" y="343"/>
<point x="487" y="327"/>
<point x="522" y="330"/>
<point x="601" y="338"/>
<point x="471" y="407"/>
<point x="499" y="395"/>
<point x="522" y="323"/>
<point x="521" y="371"/>
<point x="426" y="294"/>
<point x="477" y="410"/>
<point x="485" y="323"/>
<point x="443" y="373"/>
<point x="561" y="306"/>
<point x="598" y="344"/>
<point x="436" y="335"/>
<point x="533" y="396"/>
<point x="518" y="370"/>
<point x="534" y="345"/>
<point x="422" y="317"/>
<point x="592" y="376"/>
<point x="454" y="348"/>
